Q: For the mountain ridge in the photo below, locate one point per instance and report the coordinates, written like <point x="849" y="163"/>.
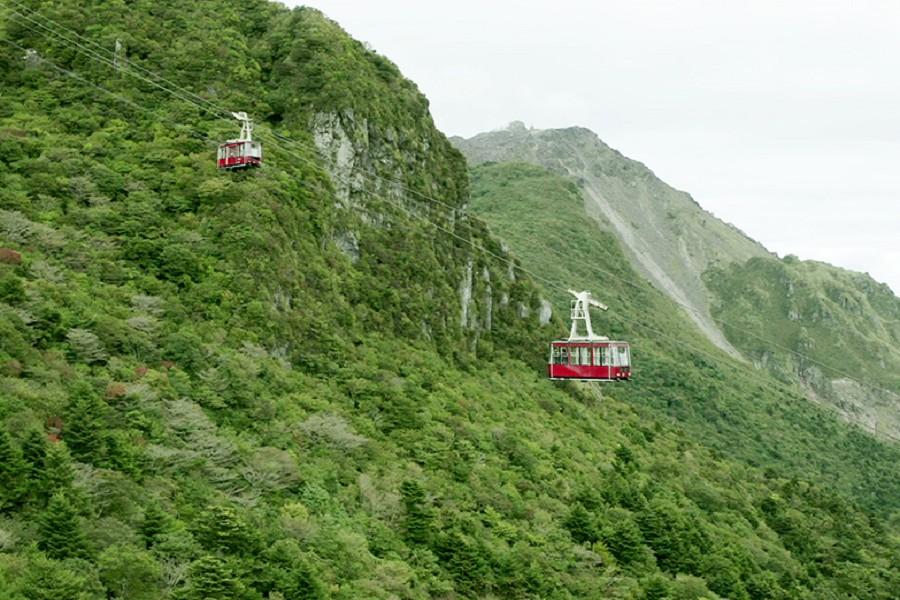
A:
<point x="667" y="234"/>
<point x="659" y="230"/>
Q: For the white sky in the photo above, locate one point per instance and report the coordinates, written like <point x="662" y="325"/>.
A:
<point x="780" y="117"/>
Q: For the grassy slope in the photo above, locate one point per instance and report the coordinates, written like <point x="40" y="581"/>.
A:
<point x="250" y="412"/>
<point x="840" y="318"/>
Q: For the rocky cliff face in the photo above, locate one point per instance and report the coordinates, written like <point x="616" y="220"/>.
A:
<point x="376" y="169"/>
<point x="666" y="234"/>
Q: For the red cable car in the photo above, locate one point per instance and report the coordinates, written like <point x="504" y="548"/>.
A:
<point x="588" y="357"/>
<point x="242" y="153"/>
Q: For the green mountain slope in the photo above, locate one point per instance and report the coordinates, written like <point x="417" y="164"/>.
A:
<point x="540" y="216"/>
<point x="833" y="329"/>
<point x="727" y="283"/>
<point x="279" y="384"/>
<point x="666" y="235"/>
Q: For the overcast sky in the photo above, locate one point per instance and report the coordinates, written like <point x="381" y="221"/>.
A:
<point x="780" y="117"/>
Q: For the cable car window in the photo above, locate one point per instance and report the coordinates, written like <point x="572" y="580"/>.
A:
<point x="599" y="352"/>
<point x="623" y="356"/>
<point x="559" y="356"/>
<point x="563" y="355"/>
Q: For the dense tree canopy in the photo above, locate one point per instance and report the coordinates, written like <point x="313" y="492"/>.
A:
<point x="278" y="384"/>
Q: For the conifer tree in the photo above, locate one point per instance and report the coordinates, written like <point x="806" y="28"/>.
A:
<point x="13" y="472"/>
<point x="211" y="579"/>
<point x="673" y="535"/>
<point x="656" y="587"/>
<point x="624" y="540"/>
<point x="58" y="472"/>
<point x="222" y="529"/>
<point x="580" y="524"/>
<point x="466" y="563"/>
<point x="302" y="583"/>
<point x="34" y="450"/>
<point x="47" y="579"/>
<point x="85" y="425"/>
<point x="624" y="460"/>
<point x="129" y="572"/>
<point x="417" y="521"/>
<point x="61" y="535"/>
<point x="155" y="523"/>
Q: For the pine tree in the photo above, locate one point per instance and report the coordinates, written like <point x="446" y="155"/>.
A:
<point x="417" y="521"/>
<point x="723" y="576"/>
<point x="13" y="472"/>
<point x="47" y="579"/>
<point x="61" y="535"/>
<point x="58" y="472"/>
<point x="222" y="529"/>
<point x="656" y="587"/>
<point x="624" y="460"/>
<point x="302" y="583"/>
<point x="580" y="524"/>
<point x="624" y="540"/>
<point x="211" y="578"/>
<point x="155" y="523"/>
<point x="466" y="562"/>
<point x="85" y="425"/>
<point x="34" y="450"/>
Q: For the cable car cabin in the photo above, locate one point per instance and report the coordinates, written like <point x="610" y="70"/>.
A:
<point x="588" y="356"/>
<point x="243" y="152"/>
<point x="590" y="361"/>
<point x="239" y="154"/>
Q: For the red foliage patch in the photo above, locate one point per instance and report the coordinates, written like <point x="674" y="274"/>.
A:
<point x="115" y="390"/>
<point x="54" y="429"/>
<point x="10" y="257"/>
<point x="140" y="371"/>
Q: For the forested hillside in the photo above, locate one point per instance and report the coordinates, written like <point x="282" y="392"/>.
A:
<point x="312" y="381"/>
<point x="835" y="330"/>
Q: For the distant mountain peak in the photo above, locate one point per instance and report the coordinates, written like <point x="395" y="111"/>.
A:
<point x="667" y="235"/>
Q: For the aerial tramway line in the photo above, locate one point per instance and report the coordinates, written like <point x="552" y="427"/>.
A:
<point x="587" y="357"/>
<point x="617" y="372"/>
<point x="72" y="38"/>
